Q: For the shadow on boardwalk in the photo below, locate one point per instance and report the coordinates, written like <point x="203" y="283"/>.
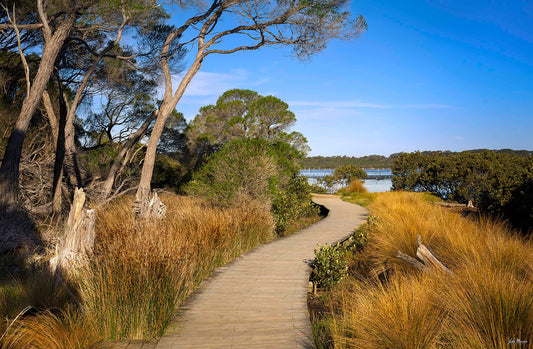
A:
<point x="260" y="299"/>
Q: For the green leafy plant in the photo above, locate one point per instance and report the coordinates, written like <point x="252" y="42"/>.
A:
<point x="329" y="266"/>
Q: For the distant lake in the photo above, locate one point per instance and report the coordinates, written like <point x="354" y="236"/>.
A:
<point x="373" y="185"/>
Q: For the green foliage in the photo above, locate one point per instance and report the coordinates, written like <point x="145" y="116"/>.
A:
<point x="318" y="189"/>
<point x="241" y="170"/>
<point x="256" y="170"/>
<point x="348" y="173"/>
<point x="496" y="182"/>
<point x="291" y="203"/>
<point x="342" y="176"/>
<point x="168" y="173"/>
<point x="329" y="266"/>
<point x="242" y="114"/>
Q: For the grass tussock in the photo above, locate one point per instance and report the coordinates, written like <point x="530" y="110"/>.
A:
<point x="356" y="186"/>
<point x="144" y="269"/>
<point x="51" y="330"/>
<point x="486" y="303"/>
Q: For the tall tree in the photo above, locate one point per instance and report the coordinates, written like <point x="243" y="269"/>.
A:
<point x="242" y="114"/>
<point x="97" y="27"/>
<point x="54" y="37"/>
<point x="272" y="117"/>
<point x="305" y="25"/>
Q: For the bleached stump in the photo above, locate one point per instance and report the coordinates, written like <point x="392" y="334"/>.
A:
<point x="78" y="241"/>
<point x="152" y="209"/>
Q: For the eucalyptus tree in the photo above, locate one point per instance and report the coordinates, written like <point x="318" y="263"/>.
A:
<point x="229" y="26"/>
<point x="272" y="116"/>
<point x="61" y="23"/>
<point x="240" y="114"/>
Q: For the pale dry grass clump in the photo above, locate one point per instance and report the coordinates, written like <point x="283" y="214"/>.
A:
<point x="144" y="269"/>
<point x="487" y="307"/>
<point x="356" y="186"/>
<point x="486" y="302"/>
<point x="48" y="330"/>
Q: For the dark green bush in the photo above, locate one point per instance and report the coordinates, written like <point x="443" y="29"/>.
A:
<point x="168" y="173"/>
<point x="256" y="170"/>
<point x="497" y="183"/>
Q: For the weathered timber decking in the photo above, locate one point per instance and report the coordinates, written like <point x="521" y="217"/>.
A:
<point x="260" y="299"/>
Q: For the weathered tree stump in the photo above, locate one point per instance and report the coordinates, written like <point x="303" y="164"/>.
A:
<point x="426" y="259"/>
<point x="77" y="245"/>
<point x="151" y="209"/>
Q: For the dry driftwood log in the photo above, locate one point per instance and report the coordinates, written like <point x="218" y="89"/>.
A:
<point x="78" y="242"/>
<point x="426" y="259"/>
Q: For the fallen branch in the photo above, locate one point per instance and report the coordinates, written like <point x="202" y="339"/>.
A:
<point x="429" y="259"/>
<point x="426" y="259"/>
<point x="412" y="261"/>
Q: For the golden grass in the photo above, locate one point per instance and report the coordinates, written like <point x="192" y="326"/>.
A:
<point x="356" y="186"/>
<point x="140" y="272"/>
<point x="144" y="269"/>
<point x="48" y="330"/>
<point x="373" y="312"/>
<point x="485" y="303"/>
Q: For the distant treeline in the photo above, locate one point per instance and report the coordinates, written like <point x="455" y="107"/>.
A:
<point x="376" y="161"/>
<point x="380" y="161"/>
<point x="497" y="182"/>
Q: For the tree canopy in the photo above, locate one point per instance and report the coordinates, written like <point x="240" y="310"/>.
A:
<point x="240" y="114"/>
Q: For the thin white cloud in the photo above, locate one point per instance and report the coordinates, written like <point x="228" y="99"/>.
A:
<point x="325" y="115"/>
<point x="355" y="105"/>
<point x="213" y="84"/>
<point x="337" y="104"/>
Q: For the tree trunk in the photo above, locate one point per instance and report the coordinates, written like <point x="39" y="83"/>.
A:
<point x="58" y="172"/>
<point x="142" y="196"/>
<point x="9" y="171"/>
<point x="52" y="118"/>
<point x="117" y="164"/>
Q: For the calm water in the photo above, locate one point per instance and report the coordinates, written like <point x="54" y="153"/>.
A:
<point x="373" y="185"/>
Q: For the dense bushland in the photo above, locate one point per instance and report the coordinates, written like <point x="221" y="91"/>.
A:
<point x="386" y="303"/>
<point x="498" y="183"/>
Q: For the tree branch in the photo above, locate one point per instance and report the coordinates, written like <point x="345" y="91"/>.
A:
<point x="47" y="33"/>
<point x="19" y="45"/>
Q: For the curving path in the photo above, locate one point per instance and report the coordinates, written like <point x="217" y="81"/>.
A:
<point x="260" y="299"/>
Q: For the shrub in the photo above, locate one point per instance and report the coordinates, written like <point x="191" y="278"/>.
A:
<point x="291" y="203"/>
<point x="356" y="186"/>
<point x="242" y="170"/>
<point x="254" y="170"/>
<point x="497" y="183"/>
<point x="329" y="266"/>
<point x="168" y="173"/>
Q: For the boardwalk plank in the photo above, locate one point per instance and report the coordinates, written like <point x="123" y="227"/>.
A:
<point x="259" y="300"/>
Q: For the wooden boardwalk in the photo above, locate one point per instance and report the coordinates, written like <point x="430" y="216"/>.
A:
<point x="260" y="299"/>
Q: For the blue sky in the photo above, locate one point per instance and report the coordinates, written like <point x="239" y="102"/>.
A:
<point x="426" y="75"/>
